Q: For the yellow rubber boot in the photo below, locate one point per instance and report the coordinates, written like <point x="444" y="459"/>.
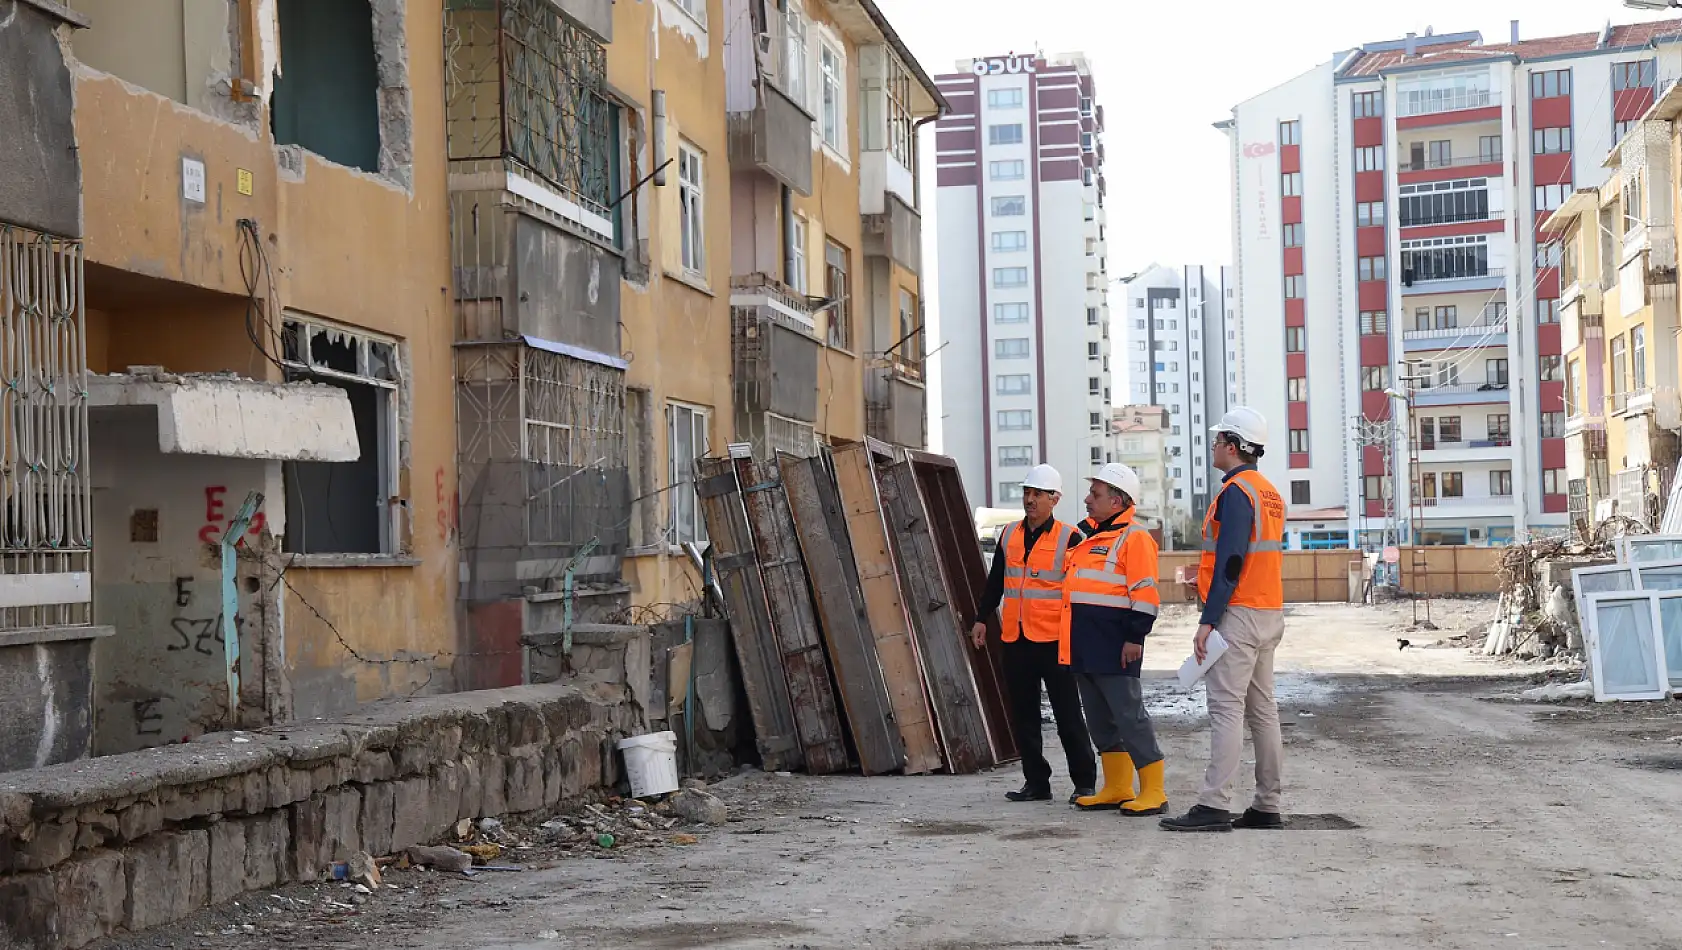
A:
<point x="1152" y="798"/>
<point x="1118" y="784"/>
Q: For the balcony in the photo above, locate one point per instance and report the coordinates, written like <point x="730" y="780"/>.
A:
<point x="1454" y="105"/>
<point x="1659" y="242"/>
<point x="1491" y="280"/>
<point x="1448" y="338"/>
<point x="773" y="136"/>
<point x="1477" y="450"/>
<point x="774" y="351"/>
<point x="1410" y="170"/>
<point x="897" y="410"/>
<point x="1663" y="403"/>
<point x="1473" y="506"/>
<point x="896" y="234"/>
<point x="1463" y="394"/>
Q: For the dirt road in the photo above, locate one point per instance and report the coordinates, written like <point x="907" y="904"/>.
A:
<point x="1433" y="810"/>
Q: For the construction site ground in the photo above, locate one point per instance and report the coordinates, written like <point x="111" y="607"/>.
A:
<point x="1431" y="807"/>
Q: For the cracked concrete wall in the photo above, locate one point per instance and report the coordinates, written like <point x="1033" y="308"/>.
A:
<point x="41" y="187"/>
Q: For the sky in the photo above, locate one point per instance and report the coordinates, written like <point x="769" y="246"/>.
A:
<point x="1165" y="73"/>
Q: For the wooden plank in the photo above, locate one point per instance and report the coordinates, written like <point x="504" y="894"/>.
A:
<point x="763" y="679"/>
<point x="941" y="639"/>
<point x="952" y="522"/>
<point x="885" y="607"/>
<point x="822" y="529"/>
<point x="816" y="718"/>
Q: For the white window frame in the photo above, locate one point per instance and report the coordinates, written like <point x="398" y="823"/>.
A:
<point x="691" y="197"/>
<point x="1023" y="309"/>
<point x="1019" y="99"/>
<point x="1001" y="389"/>
<point x="696" y="9"/>
<point x="1593" y="639"/>
<point x="796" y="54"/>
<point x="1015" y="165"/>
<point x="682" y="526"/>
<point x="1017" y="348"/>
<point x="999" y="420"/>
<point x="994" y="140"/>
<point x="832" y="95"/>
<point x="993" y="206"/>
<point x="1008" y="242"/>
<point x="798" y="261"/>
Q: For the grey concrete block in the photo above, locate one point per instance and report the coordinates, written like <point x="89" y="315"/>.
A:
<point x="373" y="765"/>
<point x="90" y="893"/>
<point x="554" y="779"/>
<point x="378" y="815"/>
<point x="227" y="861"/>
<point x="525" y="784"/>
<point x="268" y="849"/>
<point x="28" y="912"/>
<point x="525" y="725"/>
<point x="443" y="800"/>
<point x="254" y="793"/>
<point x="472" y="797"/>
<point x="167" y="878"/>
<point x="139" y="820"/>
<point x="52" y="842"/>
<point x="308" y="829"/>
<point x="409" y="813"/>
<point x="493" y="770"/>
<point x="341" y="834"/>
<point x="571" y="763"/>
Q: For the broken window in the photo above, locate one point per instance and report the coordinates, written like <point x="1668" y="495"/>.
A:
<point x="346" y="507"/>
<point x="187" y="51"/>
<point x="836" y="267"/>
<point x="639" y="446"/>
<point x="326" y="94"/>
<point x="688" y="442"/>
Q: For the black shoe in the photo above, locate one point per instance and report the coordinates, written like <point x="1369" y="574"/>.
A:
<point x="1200" y="819"/>
<point x="1085" y="792"/>
<point x="1260" y="820"/>
<point x="1028" y="793"/>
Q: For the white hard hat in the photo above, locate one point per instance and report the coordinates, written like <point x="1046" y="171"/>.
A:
<point x="1244" y="422"/>
<point x="1045" y="478"/>
<point x="1120" y="476"/>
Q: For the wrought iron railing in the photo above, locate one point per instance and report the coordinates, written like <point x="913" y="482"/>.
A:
<point x="522" y="82"/>
<point x="47" y="530"/>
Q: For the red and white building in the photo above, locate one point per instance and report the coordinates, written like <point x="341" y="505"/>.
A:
<point x="1024" y="312"/>
<point x="1387" y="206"/>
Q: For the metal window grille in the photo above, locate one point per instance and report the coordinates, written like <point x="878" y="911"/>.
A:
<point x="47" y="519"/>
<point x="525" y="83"/>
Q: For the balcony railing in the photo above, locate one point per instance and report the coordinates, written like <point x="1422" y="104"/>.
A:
<point x="1454" y="388"/>
<point x="1438" y="101"/>
<point x="1472" y="331"/>
<point x="1440" y="445"/>
<point x="1431" y="164"/>
<point x="1419" y="221"/>
<point x="1418" y="278"/>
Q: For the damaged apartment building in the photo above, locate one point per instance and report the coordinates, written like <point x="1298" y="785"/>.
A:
<point x="350" y="346"/>
<point x="227" y="295"/>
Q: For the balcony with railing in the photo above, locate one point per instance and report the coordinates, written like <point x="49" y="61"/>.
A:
<point x="1422" y="282"/>
<point x="1483" y="333"/>
<point x="1469" y="450"/>
<point x="770" y="131"/>
<point x="1467" y="506"/>
<point x="1412" y="168"/>
<point x="1453" y="101"/>
<point x="1463" y="394"/>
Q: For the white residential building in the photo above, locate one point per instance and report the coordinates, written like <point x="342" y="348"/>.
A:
<point x="1177" y="341"/>
<point x="1386" y="214"/>
<point x="1023" y="287"/>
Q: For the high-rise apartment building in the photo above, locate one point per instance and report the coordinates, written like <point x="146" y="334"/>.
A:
<point x="1387" y="206"/>
<point x="1177" y="341"/>
<point x="1023" y="285"/>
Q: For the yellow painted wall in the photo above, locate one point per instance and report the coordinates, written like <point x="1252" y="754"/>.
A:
<point x="351" y="247"/>
<point x="676" y="327"/>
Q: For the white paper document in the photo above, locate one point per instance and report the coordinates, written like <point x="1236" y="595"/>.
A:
<point x="1191" y="671"/>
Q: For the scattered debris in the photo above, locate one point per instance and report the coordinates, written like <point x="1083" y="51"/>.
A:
<point x="441" y="858"/>
<point x="700" y="807"/>
<point x="1559" y="692"/>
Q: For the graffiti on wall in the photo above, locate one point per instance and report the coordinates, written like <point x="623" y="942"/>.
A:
<point x="216" y="515"/>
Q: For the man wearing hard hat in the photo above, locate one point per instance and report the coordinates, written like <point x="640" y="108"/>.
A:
<point x="1240" y="580"/>
<point x="1027" y="583"/>
<point x="1110" y="601"/>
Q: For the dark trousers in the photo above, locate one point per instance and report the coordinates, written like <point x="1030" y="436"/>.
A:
<point x="1027" y="666"/>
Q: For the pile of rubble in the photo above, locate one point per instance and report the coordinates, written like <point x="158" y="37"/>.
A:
<point x="1536" y="617"/>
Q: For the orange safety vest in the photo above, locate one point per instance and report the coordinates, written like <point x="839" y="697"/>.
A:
<point x="1033" y="601"/>
<point x="1261" y="582"/>
<point x="1113" y="568"/>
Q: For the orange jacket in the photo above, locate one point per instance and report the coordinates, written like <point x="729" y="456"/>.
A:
<point x="1033" y="601"/>
<point x="1110" y="572"/>
<point x="1261" y="581"/>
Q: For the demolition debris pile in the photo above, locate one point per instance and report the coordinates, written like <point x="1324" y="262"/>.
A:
<point x="1536" y="617"/>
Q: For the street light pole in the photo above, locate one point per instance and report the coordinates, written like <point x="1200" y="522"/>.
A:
<point x="1420" y="590"/>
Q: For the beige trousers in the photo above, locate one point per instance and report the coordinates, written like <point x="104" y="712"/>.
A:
<point x="1240" y="691"/>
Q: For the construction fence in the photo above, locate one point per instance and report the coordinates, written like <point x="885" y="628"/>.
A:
<point x="1324" y="576"/>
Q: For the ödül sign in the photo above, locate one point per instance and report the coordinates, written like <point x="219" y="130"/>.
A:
<point x="1008" y="64"/>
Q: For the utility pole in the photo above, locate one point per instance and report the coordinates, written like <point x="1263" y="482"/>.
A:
<point x="1420" y="590"/>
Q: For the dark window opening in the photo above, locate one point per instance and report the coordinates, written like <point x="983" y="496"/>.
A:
<point x="339" y="507"/>
<point x="326" y="95"/>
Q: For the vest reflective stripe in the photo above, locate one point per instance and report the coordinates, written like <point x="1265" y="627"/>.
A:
<point x="1261" y="584"/>
<point x="1032" y="605"/>
<point x="1100" y="578"/>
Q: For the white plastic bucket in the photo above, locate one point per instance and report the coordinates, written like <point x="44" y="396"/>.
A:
<point x="651" y="763"/>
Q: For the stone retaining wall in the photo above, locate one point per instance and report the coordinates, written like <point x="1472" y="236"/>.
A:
<point x="127" y="842"/>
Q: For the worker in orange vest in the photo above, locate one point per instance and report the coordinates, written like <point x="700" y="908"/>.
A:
<point x="1240" y="581"/>
<point x="1110" y="602"/>
<point x="1027" y="583"/>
